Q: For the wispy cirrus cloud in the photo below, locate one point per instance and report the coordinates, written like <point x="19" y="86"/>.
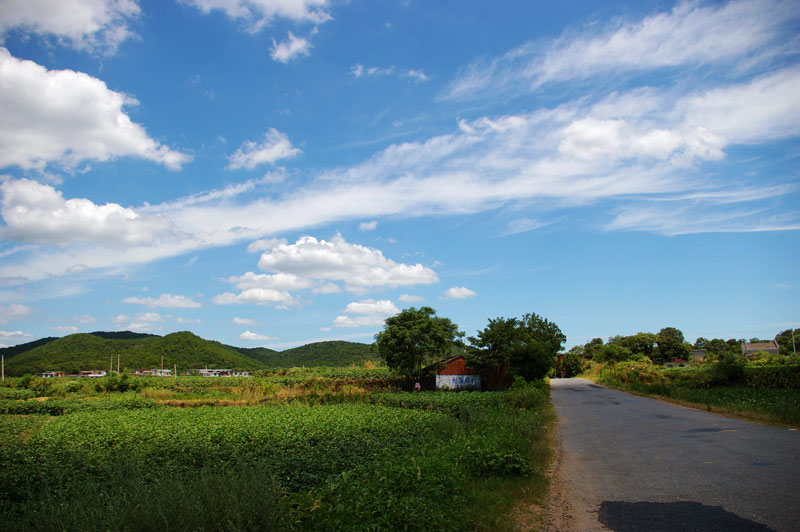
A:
<point x="739" y="33"/>
<point x="360" y="71"/>
<point x="164" y="301"/>
<point x="257" y="14"/>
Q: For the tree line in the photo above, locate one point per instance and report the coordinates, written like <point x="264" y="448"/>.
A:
<point x="414" y="339"/>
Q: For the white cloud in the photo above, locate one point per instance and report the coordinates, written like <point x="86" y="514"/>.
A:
<point x="39" y="214"/>
<point x="244" y="321"/>
<point x="291" y="48"/>
<point x="359" y="267"/>
<point x="91" y="25"/>
<point x="689" y="35"/>
<point x="273" y="147"/>
<point x="383" y="307"/>
<point x="408" y="298"/>
<point x="142" y="322"/>
<point x="368" y="226"/>
<point x="256" y="296"/>
<point x="258" y="13"/>
<point x="164" y="301"/>
<point x="247" y="335"/>
<point x="15" y="337"/>
<point x="358" y="70"/>
<point x="458" y="292"/>
<point x="13" y="311"/>
<point x="66" y="329"/>
<point x="277" y="281"/>
<point x="327" y="288"/>
<point x="64" y="117"/>
<point x="371" y="313"/>
<point x="264" y="244"/>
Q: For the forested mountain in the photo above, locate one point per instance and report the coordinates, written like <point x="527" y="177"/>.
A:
<point x="100" y="350"/>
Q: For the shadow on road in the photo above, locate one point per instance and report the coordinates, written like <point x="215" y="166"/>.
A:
<point x="622" y="516"/>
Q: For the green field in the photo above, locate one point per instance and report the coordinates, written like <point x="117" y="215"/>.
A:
<point x="325" y="459"/>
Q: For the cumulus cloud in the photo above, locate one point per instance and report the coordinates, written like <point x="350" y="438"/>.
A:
<point x="66" y="329"/>
<point x="292" y="48"/>
<point x="458" y="292"/>
<point x="247" y="335"/>
<point x="277" y="281"/>
<point x="142" y="322"/>
<point x="264" y="244"/>
<point x="256" y="296"/>
<point x="370" y="313"/>
<point x="164" y="301"/>
<point x="244" y="321"/>
<point x="359" y="267"/>
<point x="273" y="147"/>
<point x="691" y="34"/>
<point x="90" y="25"/>
<point x="38" y="213"/>
<point x="64" y="117"/>
<point x="259" y="13"/>
<point x="408" y="298"/>
<point x="13" y="311"/>
<point x="368" y="226"/>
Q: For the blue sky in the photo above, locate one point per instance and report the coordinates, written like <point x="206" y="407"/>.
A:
<point x="275" y="172"/>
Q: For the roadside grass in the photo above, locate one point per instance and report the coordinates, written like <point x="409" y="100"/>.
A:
<point x="774" y="406"/>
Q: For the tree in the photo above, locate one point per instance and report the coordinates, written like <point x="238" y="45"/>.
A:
<point x="670" y="345"/>
<point x="416" y="338"/>
<point x="592" y="347"/>
<point x="572" y="364"/>
<point x="786" y="344"/>
<point x="643" y="344"/>
<point x="527" y="346"/>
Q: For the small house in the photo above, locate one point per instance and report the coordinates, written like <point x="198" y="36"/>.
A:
<point x="454" y="373"/>
<point x="675" y="362"/>
<point x="749" y="349"/>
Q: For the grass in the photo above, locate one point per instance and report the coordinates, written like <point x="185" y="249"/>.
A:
<point x="772" y="405"/>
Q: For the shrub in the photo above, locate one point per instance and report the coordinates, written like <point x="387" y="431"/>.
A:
<point x="729" y="369"/>
<point x="571" y="365"/>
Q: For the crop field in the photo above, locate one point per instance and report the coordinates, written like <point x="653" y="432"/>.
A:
<point x="366" y="461"/>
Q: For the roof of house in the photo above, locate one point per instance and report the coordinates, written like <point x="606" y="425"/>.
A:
<point x="756" y="346"/>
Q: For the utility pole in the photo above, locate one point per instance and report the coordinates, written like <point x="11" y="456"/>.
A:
<point x="175" y="373"/>
<point x="110" y="365"/>
<point x="3" y="364"/>
<point x="162" y="360"/>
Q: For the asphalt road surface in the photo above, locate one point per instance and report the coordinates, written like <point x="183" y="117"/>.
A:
<point x="628" y="463"/>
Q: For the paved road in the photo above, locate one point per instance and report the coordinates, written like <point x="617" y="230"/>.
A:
<point x="636" y="464"/>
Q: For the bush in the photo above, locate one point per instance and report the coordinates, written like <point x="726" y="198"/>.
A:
<point x="571" y="365"/>
<point x="729" y="369"/>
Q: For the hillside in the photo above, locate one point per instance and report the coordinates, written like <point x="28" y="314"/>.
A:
<point x="331" y="353"/>
<point x="78" y="352"/>
<point x="9" y="352"/>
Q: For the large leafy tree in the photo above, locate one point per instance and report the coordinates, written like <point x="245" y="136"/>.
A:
<point x="415" y="338"/>
<point x="670" y="344"/>
<point x="527" y="346"/>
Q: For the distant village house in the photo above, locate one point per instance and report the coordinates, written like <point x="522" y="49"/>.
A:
<point x="749" y="349"/>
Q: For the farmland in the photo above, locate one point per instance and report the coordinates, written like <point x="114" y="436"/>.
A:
<point x="302" y="451"/>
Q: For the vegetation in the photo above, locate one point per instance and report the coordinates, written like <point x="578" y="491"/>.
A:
<point x="416" y="338"/>
<point x="78" y="352"/>
<point x="114" y="456"/>
<point x="527" y="346"/>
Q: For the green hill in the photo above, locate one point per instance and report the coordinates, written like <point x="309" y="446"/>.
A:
<point x="14" y="350"/>
<point x="332" y="353"/>
<point x="99" y="350"/>
<point x="78" y="352"/>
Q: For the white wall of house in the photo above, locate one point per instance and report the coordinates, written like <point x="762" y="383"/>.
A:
<point x="455" y="382"/>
